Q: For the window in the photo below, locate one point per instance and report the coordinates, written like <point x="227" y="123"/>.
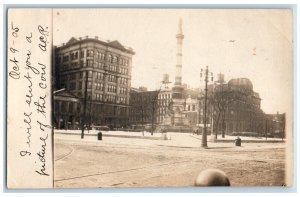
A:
<point x="109" y="58"/>
<point x="90" y="75"/>
<point x="81" y="63"/>
<point x="112" y="78"/>
<point x="90" y="53"/>
<point x="74" y="55"/>
<point x="65" y="58"/>
<point x="111" y="88"/>
<point x="99" y="86"/>
<point x="74" y="65"/>
<point x="90" y="63"/>
<point x="89" y="85"/>
<point x="98" y="76"/>
<point x="115" y="59"/>
<point x="99" y="97"/>
<point x="82" y="53"/>
<point x="123" y="90"/>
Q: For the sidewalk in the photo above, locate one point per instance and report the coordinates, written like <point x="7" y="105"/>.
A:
<point x="173" y="140"/>
<point x="123" y="134"/>
<point x="231" y="139"/>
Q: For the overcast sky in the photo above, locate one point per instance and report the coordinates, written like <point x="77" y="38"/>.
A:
<point x="256" y="44"/>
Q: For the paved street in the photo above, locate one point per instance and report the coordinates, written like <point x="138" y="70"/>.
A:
<point x="131" y="162"/>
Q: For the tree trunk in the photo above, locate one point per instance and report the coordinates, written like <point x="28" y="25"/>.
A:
<point x="223" y="124"/>
<point x="217" y="123"/>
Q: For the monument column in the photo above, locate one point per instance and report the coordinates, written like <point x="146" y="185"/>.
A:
<point x="177" y="89"/>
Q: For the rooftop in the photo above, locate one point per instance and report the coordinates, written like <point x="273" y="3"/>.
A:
<point x="114" y="44"/>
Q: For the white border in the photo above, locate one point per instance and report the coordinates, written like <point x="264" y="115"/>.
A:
<point x="86" y="3"/>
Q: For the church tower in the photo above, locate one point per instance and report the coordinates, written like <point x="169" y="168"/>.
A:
<point x="177" y="89"/>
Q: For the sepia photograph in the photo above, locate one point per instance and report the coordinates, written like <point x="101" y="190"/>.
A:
<point x="172" y="97"/>
<point x="150" y="98"/>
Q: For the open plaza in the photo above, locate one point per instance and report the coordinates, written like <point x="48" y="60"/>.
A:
<point x="120" y="160"/>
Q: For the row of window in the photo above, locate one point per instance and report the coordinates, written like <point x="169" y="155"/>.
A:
<point x="92" y="64"/>
<point x="99" y="86"/>
<point x="74" y="55"/>
<point x="162" y="110"/>
<point x="111" y="88"/>
<point x="191" y="108"/>
<point x="99" y="76"/>
<point x="115" y="59"/>
<point x="110" y="98"/>
<point x="123" y="90"/>
<point x="67" y="107"/>
<point x="112" y="78"/>
<point x="164" y="102"/>
<point x="164" y="96"/>
<point x="123" y="80"/>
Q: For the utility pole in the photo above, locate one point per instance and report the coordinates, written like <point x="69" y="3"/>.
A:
<point x="84" y="105"/>
<point x="204" y="133"/>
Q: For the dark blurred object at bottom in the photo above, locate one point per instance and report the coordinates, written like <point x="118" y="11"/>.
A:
<point x="212" y="177"/>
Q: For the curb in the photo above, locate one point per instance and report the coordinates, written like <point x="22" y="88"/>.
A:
<point x="243" y="141"/>
<point x="109" y="135"/>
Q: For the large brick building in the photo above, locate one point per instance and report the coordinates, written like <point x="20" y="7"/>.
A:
<point x="99" y="71"/>
<point x="237" y="108"/>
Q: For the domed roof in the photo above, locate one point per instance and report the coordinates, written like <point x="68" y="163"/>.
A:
<point x="243" y="83"/>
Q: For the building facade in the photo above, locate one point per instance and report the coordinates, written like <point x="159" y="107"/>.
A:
<point x="99" y="73"/>
<point x="143" y="107"/>
<point x="164" y="104"/>
<point x="67" y="110"/>
<point x="274" y="125"/>
<point x="236" y="108"/>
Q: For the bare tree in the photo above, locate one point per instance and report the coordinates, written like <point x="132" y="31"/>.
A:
<point x="221" y="100"/>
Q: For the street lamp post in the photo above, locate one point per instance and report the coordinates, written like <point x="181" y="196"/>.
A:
<point x="83" y="123"/>
<point x="154" y="106"/>
<point x="204" y="133"/>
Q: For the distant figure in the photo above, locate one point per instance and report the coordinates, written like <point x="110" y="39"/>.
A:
<point x="212" y="177"/>
<point x="194" y="131"/>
